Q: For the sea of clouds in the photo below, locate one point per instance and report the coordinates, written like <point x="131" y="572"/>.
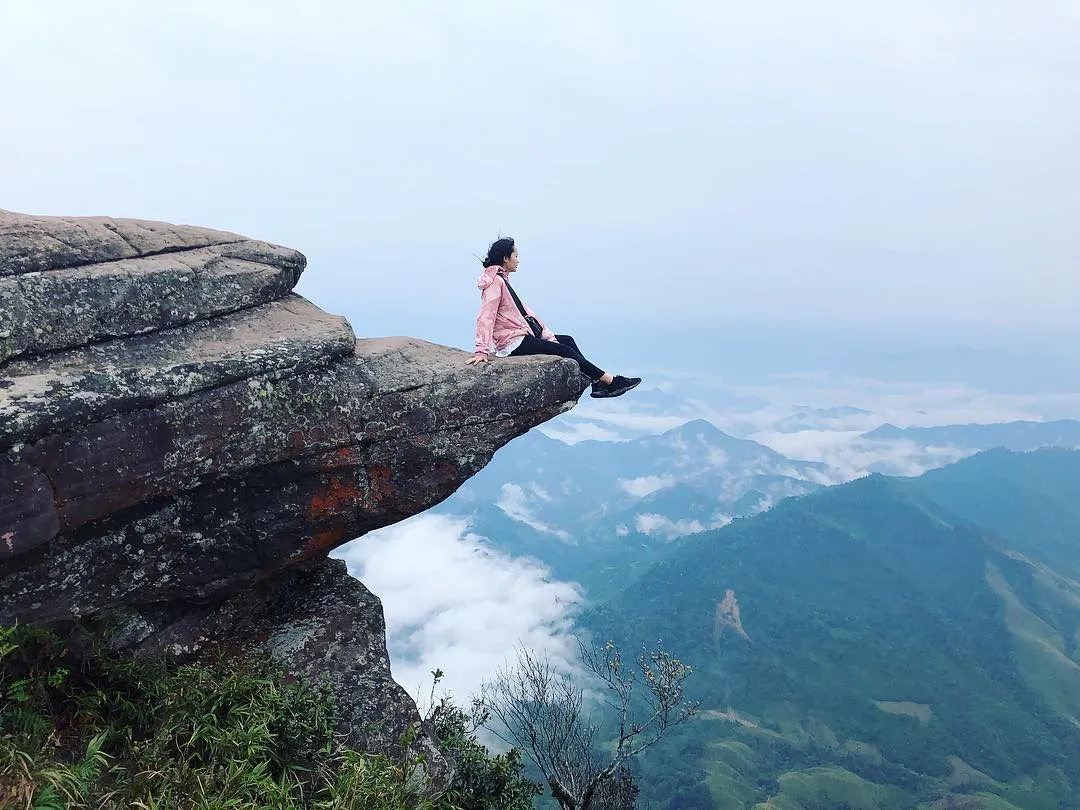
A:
<point x="455" y="603"/>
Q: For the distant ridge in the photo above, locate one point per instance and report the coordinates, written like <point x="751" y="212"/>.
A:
<point x="1020" y="435"/>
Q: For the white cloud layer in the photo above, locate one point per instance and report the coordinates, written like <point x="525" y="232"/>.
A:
<point x="659" y="526"/>
<point x="452" y="602"/>
<point x="515" y="504"/>
<point x="821" y="417"/>
<point x="646" y="485"/>
<point x="572" y="432"/>
<point x="851" y="457"/>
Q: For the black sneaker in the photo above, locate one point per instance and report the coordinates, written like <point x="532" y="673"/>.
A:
<point x="600" y="389"/>
<point x="616" y="388"/>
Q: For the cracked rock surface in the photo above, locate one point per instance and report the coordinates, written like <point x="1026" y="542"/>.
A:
<point x="183" y="439"/>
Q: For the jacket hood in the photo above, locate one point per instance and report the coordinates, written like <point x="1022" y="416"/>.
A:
<point x="489" y="274"/>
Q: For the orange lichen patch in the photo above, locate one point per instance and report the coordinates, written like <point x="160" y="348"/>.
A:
<point x="339" y="496"/>
<point x="329" y="505"/>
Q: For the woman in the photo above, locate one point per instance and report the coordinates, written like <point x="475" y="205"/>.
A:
<point x="506" y="327"/>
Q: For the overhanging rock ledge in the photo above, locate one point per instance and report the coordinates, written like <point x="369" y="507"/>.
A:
<point x="183" y="439"/>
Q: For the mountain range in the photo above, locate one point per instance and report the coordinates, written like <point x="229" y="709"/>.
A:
<point x="1021" y="435"/>
<point x="884" y="642"/>
<point x="574" y="505"/>
<point x="896" y="643"/>
<point x="579" y="508"/>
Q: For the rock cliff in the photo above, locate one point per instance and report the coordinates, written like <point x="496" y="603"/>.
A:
<point x="183" y="439"/>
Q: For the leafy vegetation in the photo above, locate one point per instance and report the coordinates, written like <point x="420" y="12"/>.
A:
<point x="101" y="731"/>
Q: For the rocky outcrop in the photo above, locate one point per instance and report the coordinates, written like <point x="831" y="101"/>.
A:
<point x="326" y="624"/>
<point x="122" y="277"/>
<point x="183" y="439"/>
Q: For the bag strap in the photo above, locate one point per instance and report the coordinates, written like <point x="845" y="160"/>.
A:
<point x="530" y="321"/>
<point x="517" y="301"/>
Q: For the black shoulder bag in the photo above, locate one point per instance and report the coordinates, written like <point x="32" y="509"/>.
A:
<point x="534" y="324"/>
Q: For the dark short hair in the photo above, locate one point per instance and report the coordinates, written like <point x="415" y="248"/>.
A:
<point x="500" y="251"/>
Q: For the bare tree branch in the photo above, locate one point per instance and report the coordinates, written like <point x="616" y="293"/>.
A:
<point x="540" y="709"/>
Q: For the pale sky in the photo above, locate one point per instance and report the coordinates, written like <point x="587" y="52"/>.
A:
<point x="905" y="163"/>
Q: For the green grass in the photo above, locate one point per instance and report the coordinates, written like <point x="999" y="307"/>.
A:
<point x="976" y="801"/>
<point x="105" y="732"/>
<point x="1041" y="653"/>
<point x="831" y="788"/>
<point x="727" y="771"/>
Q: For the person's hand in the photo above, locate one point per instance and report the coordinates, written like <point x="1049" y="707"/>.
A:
<point x="477" y="359"/>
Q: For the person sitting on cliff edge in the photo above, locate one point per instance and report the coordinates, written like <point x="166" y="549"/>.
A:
<point x="506" y="327"/>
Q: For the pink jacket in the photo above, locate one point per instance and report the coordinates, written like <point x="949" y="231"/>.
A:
<point x="499" y="320"/>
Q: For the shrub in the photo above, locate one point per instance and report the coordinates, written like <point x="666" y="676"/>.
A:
<point x="103" y="731"/>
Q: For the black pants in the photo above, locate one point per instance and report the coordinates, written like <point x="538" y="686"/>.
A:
<point x="566" y="347"/>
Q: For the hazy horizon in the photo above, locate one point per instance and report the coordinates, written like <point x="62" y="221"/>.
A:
<point x="907" y="168"/>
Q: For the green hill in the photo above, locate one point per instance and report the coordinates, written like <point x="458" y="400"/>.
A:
<point x="903" y="641"/>
<point x="1031" y="500"/>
